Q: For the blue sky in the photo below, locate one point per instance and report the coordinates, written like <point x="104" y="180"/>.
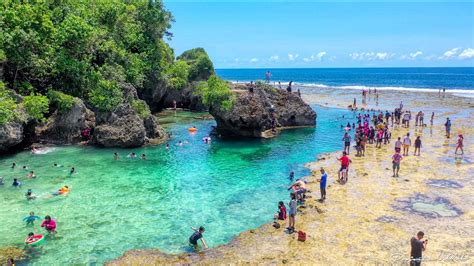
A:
<point x="272" y="34"/>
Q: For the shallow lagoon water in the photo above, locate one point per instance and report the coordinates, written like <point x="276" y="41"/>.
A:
<point x="115" y="206"/>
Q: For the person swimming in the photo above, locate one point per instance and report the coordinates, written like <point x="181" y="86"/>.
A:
<point x="29" y="195"/>
<point x="73" y="171"/>
<point x="13" y="165"/>
<point x="143" y="157"/>
<point x="180" y="143"/>
<point x="16" y="183"/>
<point x="62" y="191"/>
<point x="116" y="156"/>
<point x="31" y="175"/>
<point x="31" y="238"/>
<point x="57" y="165"/>
<point x="132" y="155"/>
<point x="292" y="175"/>
<point x="167" y="146"/>
<point x="207" y="140"/>
<point x="31" y="218"/>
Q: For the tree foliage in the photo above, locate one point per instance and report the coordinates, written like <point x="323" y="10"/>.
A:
<point x="177" y="75"/>
<point x="200" y="65"/>
<point x="7" y="105"/>
<point x="106" y="96"/>
<point x="60" y="101"/>
<point x="73" y="45"/>
<point x="216" y="93"/>
<point x="141" y="108"/>
<point x="36" y="106"/>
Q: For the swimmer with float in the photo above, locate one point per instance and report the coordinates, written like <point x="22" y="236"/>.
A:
<point x="33" y="239"/>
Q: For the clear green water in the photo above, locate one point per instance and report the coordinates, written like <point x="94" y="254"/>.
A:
<point x="114" y="206"/>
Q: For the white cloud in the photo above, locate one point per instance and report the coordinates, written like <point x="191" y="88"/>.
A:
<point x="236" y="59"/>
<point x="411" y="56"/>
<point x="292" y="57"/>
<point x="313" y="57"/>
<point x="450" y="54"/>
<point x="254" y="60"/>
<point x="467" y="54"/>
<point x="370" y="56"/>
<point x="274" y="58"/>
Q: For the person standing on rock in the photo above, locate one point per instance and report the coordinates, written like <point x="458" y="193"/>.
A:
<point x="322" y="184"/>
<point x="417" y="247"/>
<point x="292" y="213"/>
<point x="268" y="74"/>
<point x="347" y="142"/>
<point x="406" y="144"/>
<point x="288" y="89"/>
<point x="447" y="126"/>
<point x="344" y="170"/>
<point x="396" y="159"/>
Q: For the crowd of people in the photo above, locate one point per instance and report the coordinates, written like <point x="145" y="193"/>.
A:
<point x="369" y="127"/>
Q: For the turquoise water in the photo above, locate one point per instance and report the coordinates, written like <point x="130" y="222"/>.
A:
<point x="114" y="206"/>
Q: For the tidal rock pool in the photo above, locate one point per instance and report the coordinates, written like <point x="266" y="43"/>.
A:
<point x="443" y="183"/>
<point x="428" y="207"/>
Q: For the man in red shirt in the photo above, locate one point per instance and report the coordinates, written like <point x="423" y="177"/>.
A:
<point x="343" y="172"/>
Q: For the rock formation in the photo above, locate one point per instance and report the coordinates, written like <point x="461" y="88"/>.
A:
<point x="255" y="113"/>
<point x="11" y="134"/>
<point x="124" y="127"/>
<point x="65" y="128"/>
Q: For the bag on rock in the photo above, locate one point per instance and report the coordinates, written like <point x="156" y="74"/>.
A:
<point x="301" y="236"/>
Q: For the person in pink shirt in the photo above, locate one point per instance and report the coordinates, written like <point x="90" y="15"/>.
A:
<point x="460" y="144"/>
<point x="49" y="224"/>
<point x="396" y="159"/>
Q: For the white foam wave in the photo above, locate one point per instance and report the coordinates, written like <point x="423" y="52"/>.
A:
<point x="458" y="92"/>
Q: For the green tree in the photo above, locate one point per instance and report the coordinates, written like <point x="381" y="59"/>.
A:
<point x="61" y="101"/>
<point x="216" y="93"/>
<point x="106" y="96"/>
<point x="36" y="106"/>
<point x="177" y="75"/>
<point x="141" y="108"/>
<point x="200" y="66"/>
<point x="7" y="105"/>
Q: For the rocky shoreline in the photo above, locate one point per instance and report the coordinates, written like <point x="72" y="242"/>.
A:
<point x="258" y="114"/>
<point x="360" y="234"/>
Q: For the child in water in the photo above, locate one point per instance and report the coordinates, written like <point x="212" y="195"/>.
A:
<point x="31" y="218"/>
<point x="31" y="175"/>
<point x="16" y="183"/>
<point x="30" y="238"/>
<point x="29" y="195"/>
<point x="49" y="224"/>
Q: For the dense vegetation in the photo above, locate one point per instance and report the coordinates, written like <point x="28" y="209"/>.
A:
<point x="216" y="93"/>
<point x="51" y="50"/>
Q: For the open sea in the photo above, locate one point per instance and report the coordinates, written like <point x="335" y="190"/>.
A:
<point x="459" y="80"/>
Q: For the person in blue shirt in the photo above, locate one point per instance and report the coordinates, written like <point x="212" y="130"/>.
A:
<point x="322" y="184"/>
<point x="31" y="218"/>
<point x="16" y="183"/>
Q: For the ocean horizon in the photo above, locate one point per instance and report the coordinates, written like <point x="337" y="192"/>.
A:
<point x="429" y="79"/>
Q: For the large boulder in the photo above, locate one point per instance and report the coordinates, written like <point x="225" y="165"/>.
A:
<point x="11" y="134"/>
<point x="66" y="127"/>
<point x="253" y="114"/>
<point x="124" y="127"/>
<point x="121" y="128"/>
